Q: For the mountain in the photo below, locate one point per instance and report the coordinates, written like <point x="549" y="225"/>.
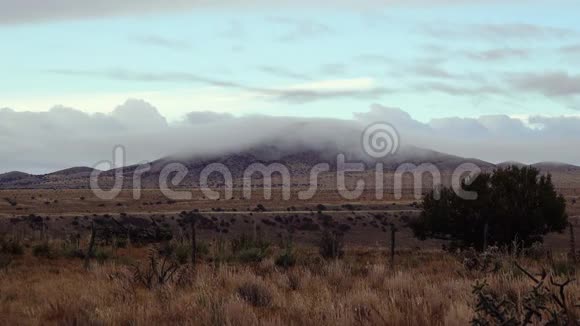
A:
<point x="546" y="167"/>
<point x="73" y="178"/>
<point x="298" y="160"/>
<point x="556" y="167"/>
<point x="17" y="179"/>
<point x="82" y="171"/>
<point x="510" y="163"/>
<point x="14" y="176"/>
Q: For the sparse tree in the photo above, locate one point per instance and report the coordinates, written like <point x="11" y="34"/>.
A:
<point x="191" y="218"/>
<point x="91" y="246"/>
<point x="512" y="203"/>
<point x="393" y="243"/>
<point x="331" y="245"/>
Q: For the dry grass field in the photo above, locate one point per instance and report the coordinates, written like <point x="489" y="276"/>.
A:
<point x="424" y="288"/>
<point x="71" y="211"/>
<point x="44" y="282"/>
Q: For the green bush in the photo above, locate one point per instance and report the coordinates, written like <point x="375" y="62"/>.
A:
<point x="331" y="245"/>
<point x="563" y="268"/>
<point x="202" y="249"/>
<point x="182" y="251"/>
<point x="5" y="261"/>
<point x="502" y="210"/>
<point x="535" y="251"/>
<point x="249" y="250"/>
<point x="251" y="255"/>
<point x="101" y="255"/>
<point x="44" y="250"/>
<point x="70" y="251"/>
<point x="543" y="304"/>
<point x="121" y="242"/>
<point x="255" y="293"/>
<point x="11" y="247"/>
<point x="246" y="242"/>
<point x="286" y="260"/>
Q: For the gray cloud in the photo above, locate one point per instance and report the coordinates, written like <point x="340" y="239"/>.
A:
<point x="522" y="31"/>
<point x="498" y="54"/>
<point x="375" y="59"/>
<point x="300" y="29"/>
<point x="24" y="11"/>
<point x="235" y="30"/>
<point x="557" y="126"/>
<point x="121" y="74"/>
<point x="435" y="72"/>
<point x="41" y="141"/>
<point x="452" y="89"/>
<point x="571" y="49"/>
<point x="160" y="41"/>
<point x="498" y="31"/>
<point x="333" y="69"/>
<point x="284" y="73"/>
<point x="552" y="84"/>
<point x="395" y="116"/>
<point x="27" y="11"/>
<point x="204" y="117"/>
<point x="303" y="96"/>
<point x="296" y="94"/>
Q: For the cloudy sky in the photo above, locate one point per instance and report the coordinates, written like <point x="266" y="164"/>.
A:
<point x="503" y="76"/>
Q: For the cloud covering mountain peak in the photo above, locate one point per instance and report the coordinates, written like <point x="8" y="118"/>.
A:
<point x="42" y="142"/>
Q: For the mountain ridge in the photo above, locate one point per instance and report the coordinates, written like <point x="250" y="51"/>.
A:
<point x="298" y="161"/>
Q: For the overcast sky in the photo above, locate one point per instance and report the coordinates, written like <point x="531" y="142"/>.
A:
<point x="499" y="76"/>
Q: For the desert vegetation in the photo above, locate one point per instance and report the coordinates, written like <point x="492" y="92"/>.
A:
<point x="169" y="270"/>
<point x="512" y="203"/>
<point x="246" y="281"/>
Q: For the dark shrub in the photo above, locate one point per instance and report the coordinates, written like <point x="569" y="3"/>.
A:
<point x="255" y="294"/>
<point x="251" y="255"/>
<point x="285" y="260"/>
<point x="512" y="202"/>
<point x="331" y="245"/>
<point x="11" y="247"/>
<point x="43" y="250"/>
<point x="101" y="255"/>
<point x="246" y="249"/>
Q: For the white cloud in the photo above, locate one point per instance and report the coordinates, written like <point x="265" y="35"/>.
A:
<point x="64" y="137"/>
<point x="309" y="92"/>
<point x="337" y="85"/>
<point x="175" y="102"/>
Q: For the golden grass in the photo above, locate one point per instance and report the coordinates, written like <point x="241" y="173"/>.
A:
<point x="426" y="288"/>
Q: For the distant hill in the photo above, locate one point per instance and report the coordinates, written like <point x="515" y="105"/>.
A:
<point x="510" y="163"/>
<point x="14" y="176"/>
<point x="17" y="179"/>
<point x="298" y="160"/>
<point x="556" y="167"/>
<point x="73" y="178"/>
<point x="77" y="171"/>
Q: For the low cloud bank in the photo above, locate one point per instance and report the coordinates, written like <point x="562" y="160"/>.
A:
<point x="42" y="142"/>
